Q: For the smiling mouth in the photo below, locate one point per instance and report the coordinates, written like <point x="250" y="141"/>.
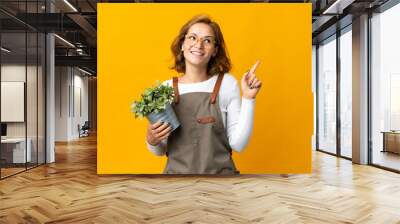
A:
<point x="197" y="53"/>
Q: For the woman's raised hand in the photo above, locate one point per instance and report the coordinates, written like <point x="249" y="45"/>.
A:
<point x="250" y="83"/>
<point x="157" y="132"/>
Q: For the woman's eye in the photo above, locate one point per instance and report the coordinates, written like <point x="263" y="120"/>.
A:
<point x="208" y="41"/>
<point x="192" y="38"/>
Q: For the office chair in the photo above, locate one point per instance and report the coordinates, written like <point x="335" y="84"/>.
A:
<point x="84" y="130"/>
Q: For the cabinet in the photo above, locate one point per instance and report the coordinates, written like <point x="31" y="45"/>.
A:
<point x="391" y="142"/>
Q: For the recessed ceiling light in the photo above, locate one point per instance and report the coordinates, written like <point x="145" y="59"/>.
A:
<point x="71" y="6"/>
<point x="337" y="7"/>
<point x="64" y="40"/>
<point x="5" y="50"/>
<point x="84" y="71"/>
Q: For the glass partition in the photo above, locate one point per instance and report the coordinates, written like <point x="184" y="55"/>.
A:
<point x="22" y="77"/>
<point x="14" y="154"/>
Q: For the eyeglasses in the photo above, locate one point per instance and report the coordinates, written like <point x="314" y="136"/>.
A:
<point x="207" y="41"/>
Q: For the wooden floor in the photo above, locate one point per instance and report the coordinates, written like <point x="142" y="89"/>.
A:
<point x="5" y="172"/>
<point x="8" y="171"/>
<point x="69" y="191"/>
<point x="387" y="159"/>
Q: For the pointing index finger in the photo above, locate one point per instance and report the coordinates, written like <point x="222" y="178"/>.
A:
<point x="253" y="69"/>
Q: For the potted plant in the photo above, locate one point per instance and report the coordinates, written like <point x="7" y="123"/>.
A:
<point x="155" y="104"/>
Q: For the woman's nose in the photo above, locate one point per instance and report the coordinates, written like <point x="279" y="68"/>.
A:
<point x="199" y="43"/>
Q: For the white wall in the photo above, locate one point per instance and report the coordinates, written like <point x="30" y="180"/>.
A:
<point x="16" y="73"/>
<point x="12" y="101"/>
<point x="62" y="78"/>
<point x="81" y="84"/>
<point x="71" y="87"/>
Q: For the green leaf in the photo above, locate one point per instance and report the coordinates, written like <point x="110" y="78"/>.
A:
<point x="153" y="99"/>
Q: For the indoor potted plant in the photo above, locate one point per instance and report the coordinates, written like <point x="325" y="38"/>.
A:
<point x="155" y="104"/>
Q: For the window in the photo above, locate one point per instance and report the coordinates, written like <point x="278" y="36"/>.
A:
<point x="346" y="93"/>
<point x="327" y="95"/>
<point x="385" y="88"/>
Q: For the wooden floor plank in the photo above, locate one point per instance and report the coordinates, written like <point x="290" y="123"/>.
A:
<point x="70" y="191"/>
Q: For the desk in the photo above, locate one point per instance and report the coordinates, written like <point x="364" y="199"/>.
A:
<point x="13" y="150"/>
<point x="391" y="141"/>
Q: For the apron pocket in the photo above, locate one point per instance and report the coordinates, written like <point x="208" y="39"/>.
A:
<point x="206" y="120"/>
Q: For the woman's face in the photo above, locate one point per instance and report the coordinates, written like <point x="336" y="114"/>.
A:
<point x="199" y="45"/>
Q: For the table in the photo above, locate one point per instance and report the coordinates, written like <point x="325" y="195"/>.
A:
<point x="13" y="150"/>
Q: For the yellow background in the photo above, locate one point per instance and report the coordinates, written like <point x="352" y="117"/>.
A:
<point x="134" y="51"/>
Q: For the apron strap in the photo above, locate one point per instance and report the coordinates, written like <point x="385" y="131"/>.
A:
<point x="215" y="91"/>
<point x="176" y="91"/>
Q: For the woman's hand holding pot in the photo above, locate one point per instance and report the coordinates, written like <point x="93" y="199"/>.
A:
<point x="157" y="132"/>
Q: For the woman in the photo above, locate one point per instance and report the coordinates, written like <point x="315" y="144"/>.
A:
<point x="207" y="103"/>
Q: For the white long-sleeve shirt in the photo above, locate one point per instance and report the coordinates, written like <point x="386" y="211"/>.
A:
<point x="237" y="113"/>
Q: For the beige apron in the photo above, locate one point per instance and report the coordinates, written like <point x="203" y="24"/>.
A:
<point x="200" y="145"/>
